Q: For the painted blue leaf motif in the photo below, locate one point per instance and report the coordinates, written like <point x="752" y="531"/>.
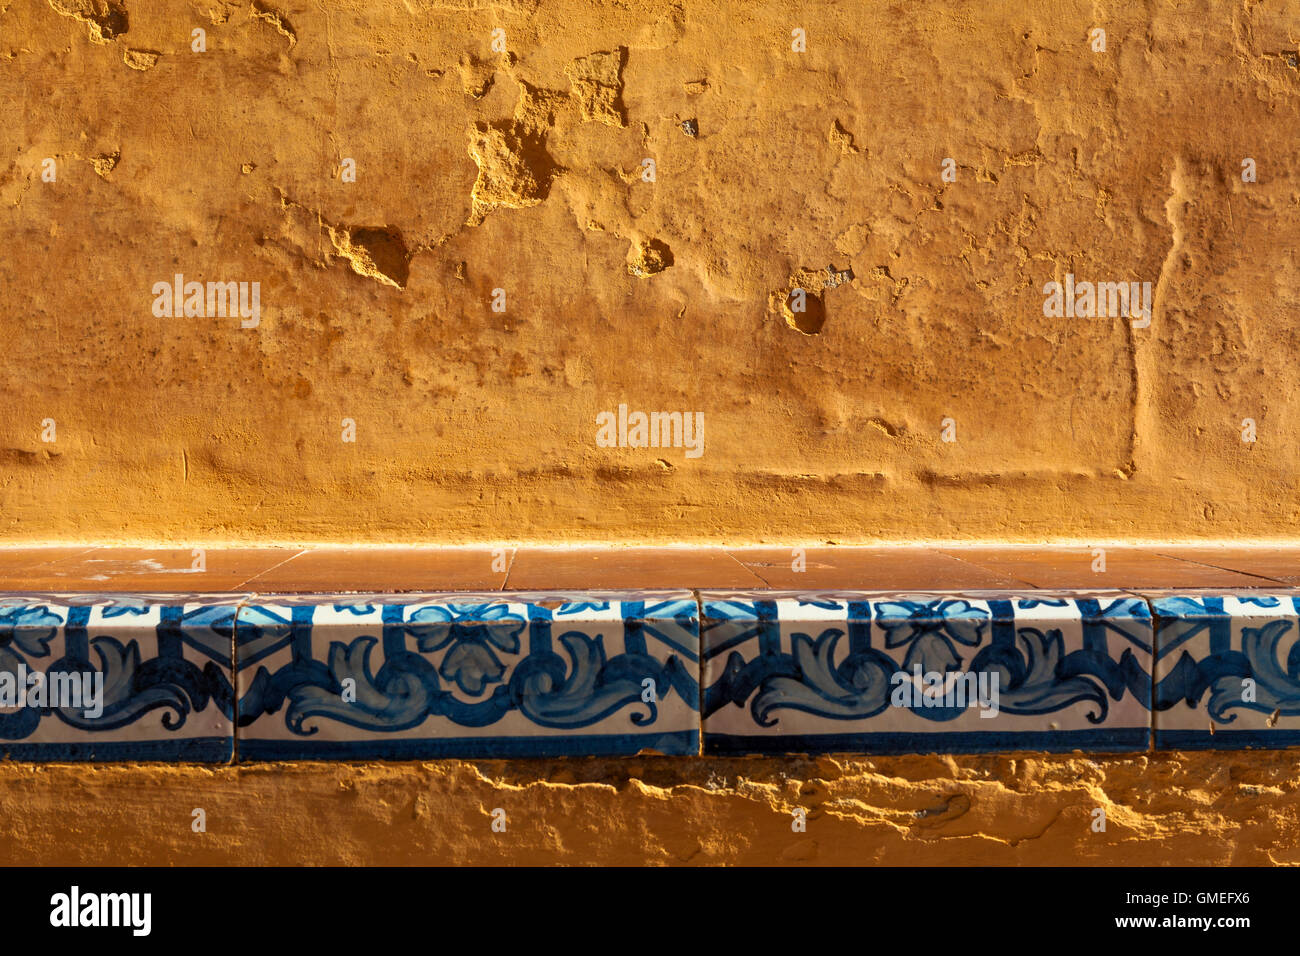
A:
<point x="132" y="690"/>
<point x="932" y="653"/>
<point x="119" y="663"/>
<point x="357" y="610"/>
<point x="30" y="628"/>
<point x="823" y="605"/>
<point x="858" y="688"/>
<point x="930" y="628"/>
<point x="472" y="665"/>
<point x="1268" y="602"/>
<point x="959" y="620"/>
<point x="574" y="607"/>
<point x="465" y="612"/>
<point x="1184" y="607"/>
<point x="1028" y="604"/>
<point x="1030" y="679"/>
<point x="436" y="627"/>
<point x="259" y="697"/>
<point x="587" y="691"/>
<point x="1275" y="688"/>
<point x="401" y="697"/>
<point x="268" y="691"/>
<point x="126" y="606"/>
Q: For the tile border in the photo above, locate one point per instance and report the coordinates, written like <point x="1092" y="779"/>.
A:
<point x="1201" y="642"/>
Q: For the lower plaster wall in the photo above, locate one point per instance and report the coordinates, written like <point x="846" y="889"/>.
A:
<point x="1186" y="809"/>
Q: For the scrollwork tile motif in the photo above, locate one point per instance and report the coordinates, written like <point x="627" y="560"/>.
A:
<point x="869" y="673"/>
<point x="1227" y="670"/>
<point x="470" y="676"/>
<point x="116" y="678"/>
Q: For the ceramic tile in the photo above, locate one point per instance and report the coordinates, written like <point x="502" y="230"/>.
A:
<point x="339" y="570"/>
<point x="1227" y="670"/>
<point x="152" y="570"/>
<point x="876" y="672"/>
<point x="608" y="568"/>
<point x="468" y="675"/>
<point x="1124" y="568"/>
<point x="868" y="569"/>
<point x="123" y="677"/>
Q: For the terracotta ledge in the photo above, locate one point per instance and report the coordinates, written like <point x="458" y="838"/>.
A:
<point x="340" y="570"/>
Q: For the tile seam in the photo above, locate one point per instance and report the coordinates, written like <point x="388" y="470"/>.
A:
<point x="265" y="571"/>
<point x="762" y="580"/>
<point x="505" y="583"/>
<point x="234" y="675"/>
<point x="974" y="564"/>
<point x="1206" y="564"/>
<point x="699" y="652"/>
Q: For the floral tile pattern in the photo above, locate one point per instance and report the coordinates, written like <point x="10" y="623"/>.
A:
<point x="468" y="675"/>
<point x="89" y="677"/>
<point x="888" y="673"/>
<point x="221" y="677"/>
<point x="1227" y="670"/>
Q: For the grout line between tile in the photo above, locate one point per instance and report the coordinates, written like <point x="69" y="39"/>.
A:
<point x="1155" y="649"/>
<point x="234" y="675"/>
<point x="699" y="639"/>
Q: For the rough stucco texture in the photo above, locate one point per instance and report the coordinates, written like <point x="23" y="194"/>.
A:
<point x="479" y="170"/>
<point x="1188" y="809"/>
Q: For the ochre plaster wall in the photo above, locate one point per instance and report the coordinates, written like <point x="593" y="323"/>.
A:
<point x="1184" y="809"/>
<point x="478" y="425"/>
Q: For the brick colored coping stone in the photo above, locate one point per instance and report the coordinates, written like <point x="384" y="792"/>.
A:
<point x="267" y="654"/>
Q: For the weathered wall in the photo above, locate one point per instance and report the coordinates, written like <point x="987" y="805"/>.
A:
<point x="478" y="170"/>
<point x="1186" y="809"/>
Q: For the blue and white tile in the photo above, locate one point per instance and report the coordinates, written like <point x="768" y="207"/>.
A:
<point x="1227" y="669"/>
<point x="468" y="675"/>
<point x="122" y="677"/>
<point x="922" y="673"/>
